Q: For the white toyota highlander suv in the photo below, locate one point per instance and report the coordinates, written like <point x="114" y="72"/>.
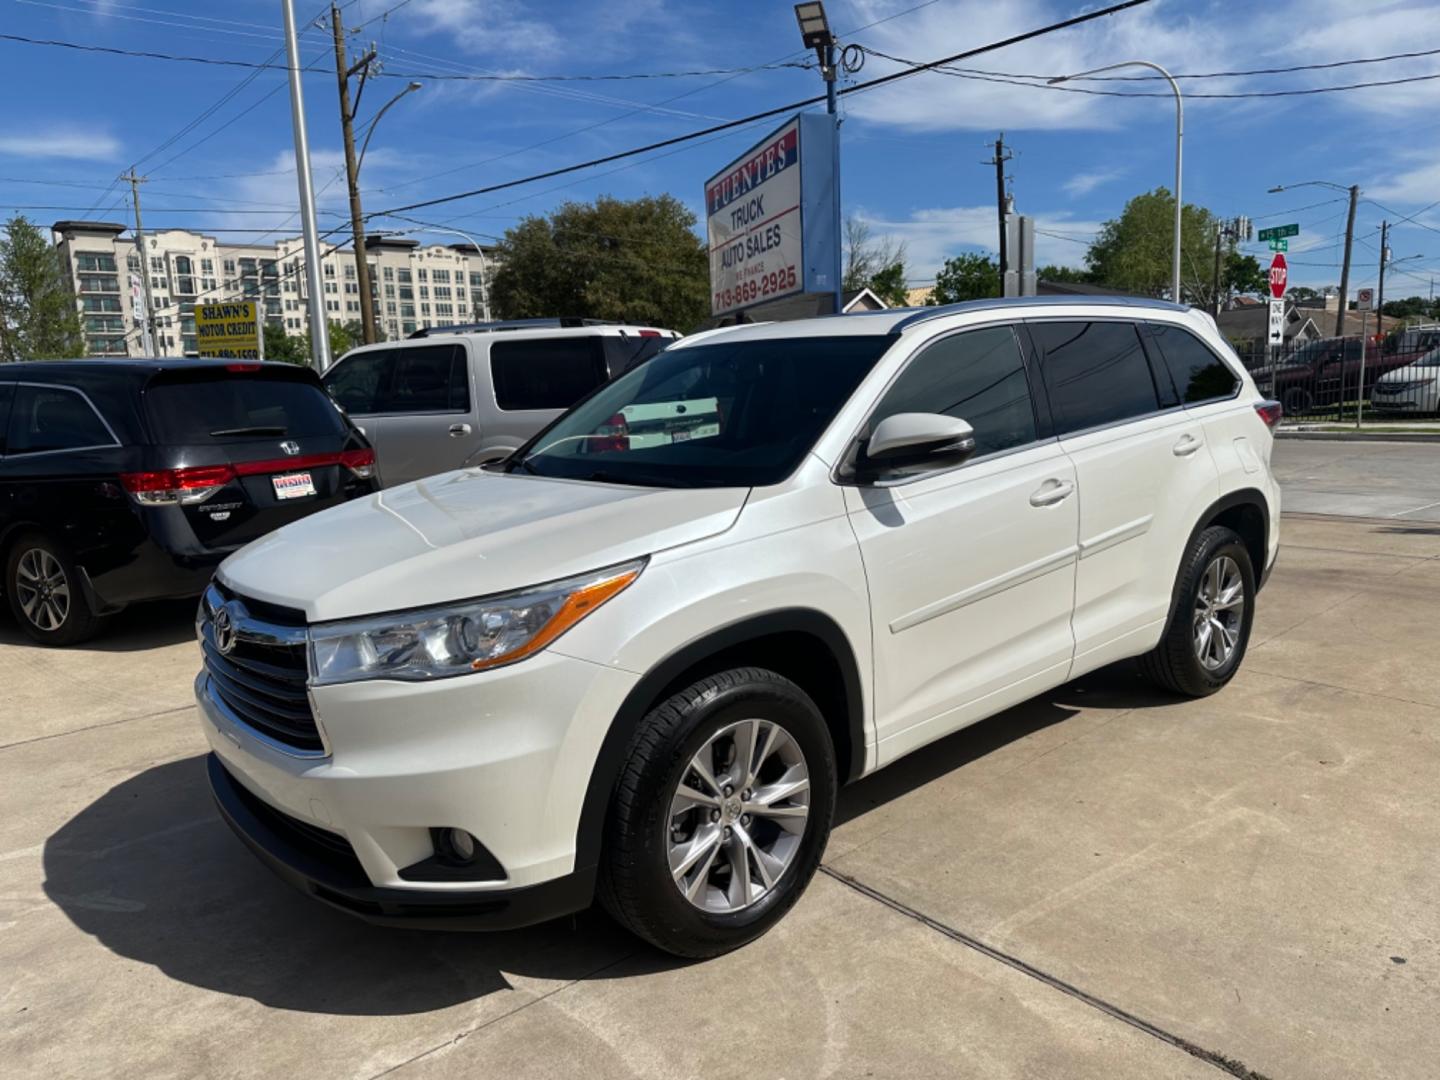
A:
<point x="638" y="658"/>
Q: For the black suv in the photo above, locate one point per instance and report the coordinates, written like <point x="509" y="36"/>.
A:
<point x="125" y="480"/>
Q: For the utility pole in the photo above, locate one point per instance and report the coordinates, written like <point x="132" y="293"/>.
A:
<point x="1345" y="265"/>
<point x="1380" y="292"/>
<point x="319" y="327"/>
<point x="831" y="107"/>
<point x="1002" y="155"/>
<point x="147" y="327"/>
<point x="1215" y="279"/>
<point x="352" y="169"/>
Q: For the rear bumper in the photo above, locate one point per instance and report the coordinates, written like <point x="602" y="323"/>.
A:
<point x="150" y="572"/>
<point x="323" y="870"/>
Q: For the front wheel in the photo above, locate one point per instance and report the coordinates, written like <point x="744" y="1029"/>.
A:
<point x="45" y="592"/>
<point x="719" y="819"/>
<point x="1209" y="626"/>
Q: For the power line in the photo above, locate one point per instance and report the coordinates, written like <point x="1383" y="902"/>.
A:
<point x="870" y="84"/>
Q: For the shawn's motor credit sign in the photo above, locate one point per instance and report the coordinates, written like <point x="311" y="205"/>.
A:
<point x="230" y="331"/>
<point x="769" y="217"/>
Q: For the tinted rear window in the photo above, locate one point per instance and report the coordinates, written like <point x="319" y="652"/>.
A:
<point x="45" y="419"/>
<point x="1096" y="373"/>
<point x="1199" y="374"/>
<point x="209" y="406"/>
<point x="545" y="373"/>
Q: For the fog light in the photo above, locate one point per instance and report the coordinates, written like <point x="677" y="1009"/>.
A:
<point x="460" y="845"/>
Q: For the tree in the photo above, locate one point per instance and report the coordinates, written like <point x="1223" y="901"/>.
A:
<point x="1064" y="273"/>
<point x="285" y="348"/>
<point x="875" y="264"/>
<point x="966" y="277"/>
<point x="38" y="320"/>
<point x="1301" y="294"/>
<point x="637" y="261"/>
<point x="1133" y="252"/>
<point x="1243" y="275"/>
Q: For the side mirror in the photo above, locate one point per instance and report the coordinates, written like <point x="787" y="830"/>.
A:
<point x="913" y="443"/>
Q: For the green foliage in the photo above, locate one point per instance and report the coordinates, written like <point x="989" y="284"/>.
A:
<point x="285" y="348"/>
<point x="1065" y="273"/>
<point x="1412" y="307"/>
<point x="637" y="261"/>
<point x="1133" y="252"/>
<point x="1243" y="274"/>
<point x="1300" y="294"/>
<point x="966" y="277"/>
<point x="875" y="264"/>
<point x="38" y="319"/>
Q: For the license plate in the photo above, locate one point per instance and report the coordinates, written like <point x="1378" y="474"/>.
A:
<point x="293" y="485"/>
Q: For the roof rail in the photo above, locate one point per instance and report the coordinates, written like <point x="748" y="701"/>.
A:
<point x="1003" y="302"/>
<point x="564" y="322"/>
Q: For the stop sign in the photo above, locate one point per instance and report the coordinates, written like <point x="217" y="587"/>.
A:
<point x="1278" y="276"/>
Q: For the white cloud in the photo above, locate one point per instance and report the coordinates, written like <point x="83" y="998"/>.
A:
<point x="933" y="235"/>
<point x="61" y="143"/>
<point x="1086" y="182"/>
<point x="490" y="26"/>
<point x="1417" y="183"/>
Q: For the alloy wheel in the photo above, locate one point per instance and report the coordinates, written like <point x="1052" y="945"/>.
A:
<point x="1219" y="611"/>
<point x="738" y="816"/>
<point x="42" y="589"/>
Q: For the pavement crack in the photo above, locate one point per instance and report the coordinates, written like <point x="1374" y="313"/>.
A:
<point x="1219" y="1061"/>
<point x="96" y="727"/>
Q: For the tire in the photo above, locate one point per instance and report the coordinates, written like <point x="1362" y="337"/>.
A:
<point x="1176" y="663"/>
<point x="645" y="838"/>
<point x="1297" y="401"/>
<point x="46" y="594"/>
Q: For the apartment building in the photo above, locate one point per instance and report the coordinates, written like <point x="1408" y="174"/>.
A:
<point x="412" y="285"/>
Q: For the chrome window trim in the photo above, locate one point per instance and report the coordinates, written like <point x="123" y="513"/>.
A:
<point x="69" y="449"/>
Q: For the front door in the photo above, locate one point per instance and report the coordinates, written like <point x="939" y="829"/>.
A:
<point x="429" y="426"/>
<point x="971" y="571"/>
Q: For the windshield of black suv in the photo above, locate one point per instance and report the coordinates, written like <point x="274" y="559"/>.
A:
<point x="728" y="414"/>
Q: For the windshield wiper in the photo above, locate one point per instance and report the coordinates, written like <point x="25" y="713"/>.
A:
<point x="270" y="429"/>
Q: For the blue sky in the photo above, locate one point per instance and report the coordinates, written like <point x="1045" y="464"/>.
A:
<point x="912" y="151"/>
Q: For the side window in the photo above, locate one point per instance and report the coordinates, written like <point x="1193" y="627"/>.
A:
<point x="7" y="393"/>
<point x="49" y="418"/>
<point x="1096" y="373"/>
<point x="429" y="379"/>
<point x="545" y="373"/>
<point x="977" y="376"/>
<point x="1199" y="374"/>
<point x="360" y="382"/>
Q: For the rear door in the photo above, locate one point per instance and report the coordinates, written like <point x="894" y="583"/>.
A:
<point x="428" y="425"/>
<point x="534" y="379"/>
<point x="273" y="425"/>
<point x="1144" y="476"/>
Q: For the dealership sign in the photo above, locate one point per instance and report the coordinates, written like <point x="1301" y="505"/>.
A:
<point x="229" y="331"/>
<point x="770" y="218"/>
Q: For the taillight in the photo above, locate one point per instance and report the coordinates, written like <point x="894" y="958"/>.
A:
<point x="614" y="434"/>
<point x="1270" y="412"/>
<point x="359" y="462"/>
<point x="649" y="333"/>
<point x="242" y="367"/>
<point x="168" y="487"/>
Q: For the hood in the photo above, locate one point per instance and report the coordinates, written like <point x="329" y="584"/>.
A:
<point x="466" y="534"/>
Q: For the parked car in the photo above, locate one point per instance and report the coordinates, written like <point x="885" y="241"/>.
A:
<point x="463" y="396"/>
<point x="642" y="664"/>
<point x="1411" y="389"/>
<point x="126" y="480"/>
<point x="1326" y="371"/>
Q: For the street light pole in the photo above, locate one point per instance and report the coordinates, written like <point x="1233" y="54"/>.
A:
<point x="479" y="253"/>
<point x="319" y="329"/>
<point x="816" y="34"/>
<point x="1179" y="145"/>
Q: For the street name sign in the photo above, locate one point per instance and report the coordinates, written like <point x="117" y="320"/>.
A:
<point x="1279" y="232"/>
<point x="770" y="217"/>
<point x="229" y="331"/>
<point x="1279" y="275"/>
<point x="1277" y="322"/>
<point x="1279" y="245"/>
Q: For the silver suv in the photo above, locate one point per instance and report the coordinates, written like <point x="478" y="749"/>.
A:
<point x="464" y="396"/>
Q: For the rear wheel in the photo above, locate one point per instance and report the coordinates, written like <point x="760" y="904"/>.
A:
<point x="45" y="592"/>
<point x="1297" y="401"/>
<point x="721" y="815"/>
<point x="1209" y="626"/>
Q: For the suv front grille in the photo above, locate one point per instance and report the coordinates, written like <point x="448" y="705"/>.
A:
<point x="260" y="677"/>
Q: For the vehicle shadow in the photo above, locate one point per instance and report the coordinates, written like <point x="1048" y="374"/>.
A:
<point x="153" y="874"/>
<point x="150" y="625"/>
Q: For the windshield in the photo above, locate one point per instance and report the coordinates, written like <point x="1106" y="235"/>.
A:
<point x="1430" y="359"/>
<point x="731" y="414"/>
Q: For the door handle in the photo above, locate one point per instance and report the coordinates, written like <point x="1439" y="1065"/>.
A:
<point x="1187" y="445"/>
<point x="1052" y="492"/>
<point x="458" y="431"/>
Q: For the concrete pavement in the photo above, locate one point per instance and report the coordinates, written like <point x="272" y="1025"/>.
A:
<point x="1102" y="882"/>
<point x="1356" y="478"/>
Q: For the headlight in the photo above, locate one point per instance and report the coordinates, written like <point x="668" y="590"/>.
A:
<point x="460" y="638"/>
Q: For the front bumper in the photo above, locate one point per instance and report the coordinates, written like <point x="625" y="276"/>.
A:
<point x="322" y="870"/>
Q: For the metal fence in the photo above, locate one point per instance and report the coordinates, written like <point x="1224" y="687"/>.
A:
<point x="1327" y="380"/>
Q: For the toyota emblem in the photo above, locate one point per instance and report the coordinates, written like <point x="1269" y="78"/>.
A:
<point x="224" y="631"/>
<point x="290" y="446"/>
